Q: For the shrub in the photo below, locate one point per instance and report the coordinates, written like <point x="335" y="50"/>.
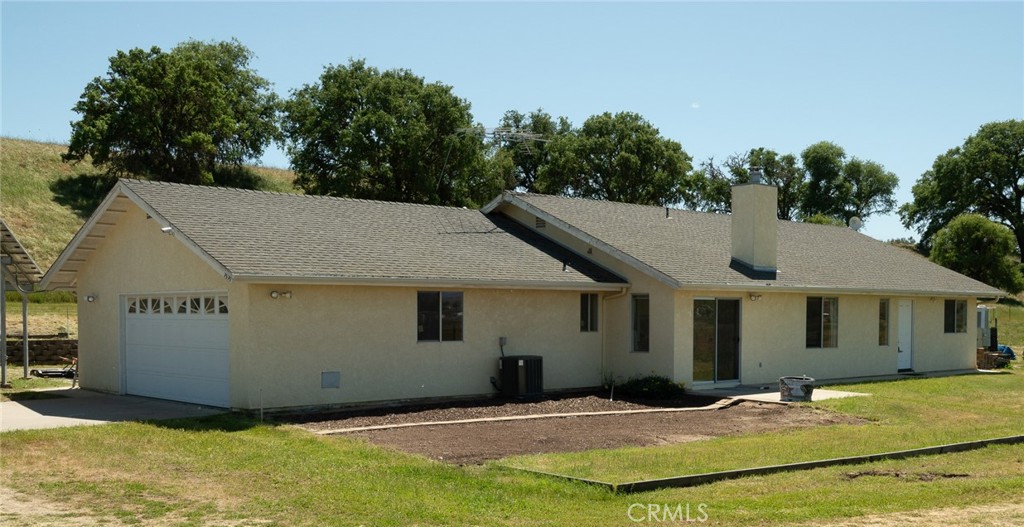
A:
<point x="651" y="387"/>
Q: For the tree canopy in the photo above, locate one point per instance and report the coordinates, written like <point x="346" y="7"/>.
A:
<point x="177" y="115"/>
<point x="619" y="157"/>
<point x="386" y="135"/>
<point x="526" y="144"/>
<point x="985" y="175"/>
<point x="974" y="246"/>
<point x="843" y="188"/>
<point x="783" y="171"/>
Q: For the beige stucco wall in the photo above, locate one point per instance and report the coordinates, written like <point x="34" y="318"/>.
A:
<point x="280" y="347"/>
<point x="772" y="342"/>
<point x="368" y="334"/>
<point x="620" y="361"/>
<point x="935" y="350"/>
<point x="135" y="258"/>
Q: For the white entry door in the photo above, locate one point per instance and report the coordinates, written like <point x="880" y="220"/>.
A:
<point x="176" y="347"/>
<point x="905" y="343"/>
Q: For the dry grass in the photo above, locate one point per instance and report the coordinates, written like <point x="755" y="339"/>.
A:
<point x="44" y="222"/>
<point x="44" y="319"/>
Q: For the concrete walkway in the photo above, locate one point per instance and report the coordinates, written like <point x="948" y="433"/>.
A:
<point x="77" y="407"/>
<point x="761" y="395"/>
<point x="769" y="393"/>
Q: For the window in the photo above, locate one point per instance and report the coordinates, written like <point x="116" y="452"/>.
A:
<point x="438" y="316"/>
<point x="822" y="322"/>
<point x="588" y="312"/>
<point x="955" y="316"/>
<point x="641" y="323"/>
<point x="883" y="322"/>
<point x="204" y="305"/>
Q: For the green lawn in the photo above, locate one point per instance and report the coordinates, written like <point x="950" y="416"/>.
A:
<point x="904" y="414"/>
<point x="230" y="470"/>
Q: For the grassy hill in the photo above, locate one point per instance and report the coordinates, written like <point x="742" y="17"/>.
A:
<point x="45" y="201"/>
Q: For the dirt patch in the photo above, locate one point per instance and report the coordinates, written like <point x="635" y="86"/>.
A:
<point x="482" y="409"/>
<point x="905" y="476"/>
<point x="474" y="443"/>
<point x="23" y="510"/>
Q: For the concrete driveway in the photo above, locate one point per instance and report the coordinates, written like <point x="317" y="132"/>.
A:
<point x="77" y="407"/>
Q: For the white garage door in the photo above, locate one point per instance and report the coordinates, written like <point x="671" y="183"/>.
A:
<point x="176" y="347"/>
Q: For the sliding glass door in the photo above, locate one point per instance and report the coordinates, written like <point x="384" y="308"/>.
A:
<point x="716" y="339"/>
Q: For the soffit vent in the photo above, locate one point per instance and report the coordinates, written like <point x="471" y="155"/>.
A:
<point x="540" y="223"/>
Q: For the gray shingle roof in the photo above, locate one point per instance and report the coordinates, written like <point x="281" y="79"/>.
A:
<point x="693" y="249"/>
<point x="273" y="235"/>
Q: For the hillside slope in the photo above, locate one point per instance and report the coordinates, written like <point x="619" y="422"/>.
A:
<point x="28" y="170"/>
<point x="45" y="201"/>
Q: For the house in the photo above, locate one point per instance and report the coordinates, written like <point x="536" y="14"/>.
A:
<point x="251" y="300"/>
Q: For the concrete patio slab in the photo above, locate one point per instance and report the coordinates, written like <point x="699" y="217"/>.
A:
<point x="76" y="407"/>
<point x="757" y="394"/>
<point x="768" y="393"/>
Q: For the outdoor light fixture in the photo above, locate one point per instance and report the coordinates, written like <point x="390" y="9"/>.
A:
<point x="754" y="297"/>
<point x="90" y="298"/>
<point x="282" y="294"/>
<point x="166" y="230"/>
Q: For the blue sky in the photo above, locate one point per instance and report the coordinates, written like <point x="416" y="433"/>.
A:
<point x="896" y="83"/>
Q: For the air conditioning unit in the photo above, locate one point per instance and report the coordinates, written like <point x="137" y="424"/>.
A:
<point x="521" y="375"/>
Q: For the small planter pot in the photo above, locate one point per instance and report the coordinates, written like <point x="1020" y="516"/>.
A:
<point x="796" y="389"/>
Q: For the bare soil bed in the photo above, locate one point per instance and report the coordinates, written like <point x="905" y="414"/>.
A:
<point x="475" y="443"/>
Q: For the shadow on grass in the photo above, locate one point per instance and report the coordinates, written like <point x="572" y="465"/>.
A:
<point x="82" y="193"/>
<point x="226" y="422"/>
<point x="30" y="396"/>
<point x="1010" y="301"/>
<point x="239" y="177"/>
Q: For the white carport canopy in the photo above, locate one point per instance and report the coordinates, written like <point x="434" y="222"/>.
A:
<point x="20" y="272"/>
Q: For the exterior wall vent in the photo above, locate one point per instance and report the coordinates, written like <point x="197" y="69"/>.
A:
<point x="540" y="223"/>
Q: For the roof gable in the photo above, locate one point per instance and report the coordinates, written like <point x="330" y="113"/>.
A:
<point x="264" y="236"/>
<point x="692" y="250"/>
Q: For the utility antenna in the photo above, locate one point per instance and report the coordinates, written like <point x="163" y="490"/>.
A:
<point x="505" y="136"/>
<point x="501" y="136"/>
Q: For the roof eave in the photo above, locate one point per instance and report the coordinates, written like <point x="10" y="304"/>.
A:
<point x="772" y="287"/>
<point x="431" y="282"/>
<point x="49" y="282"/>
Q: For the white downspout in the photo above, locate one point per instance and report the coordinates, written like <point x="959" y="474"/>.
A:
<point x="604" y="325"/>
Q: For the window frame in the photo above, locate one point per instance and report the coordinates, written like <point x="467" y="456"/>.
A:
<point x="440" y="316"/>
<point x="884" y="316"/>
<point x="822" y="328"/>
<point x="956" y="322"/>
<point x="589" y="312"/>
<point x="640" y="341"/>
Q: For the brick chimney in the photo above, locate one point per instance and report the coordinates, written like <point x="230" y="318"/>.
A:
<point x="755" y="223"/>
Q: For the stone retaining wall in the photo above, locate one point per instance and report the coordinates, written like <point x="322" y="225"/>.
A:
<point x="42" y="351"/>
